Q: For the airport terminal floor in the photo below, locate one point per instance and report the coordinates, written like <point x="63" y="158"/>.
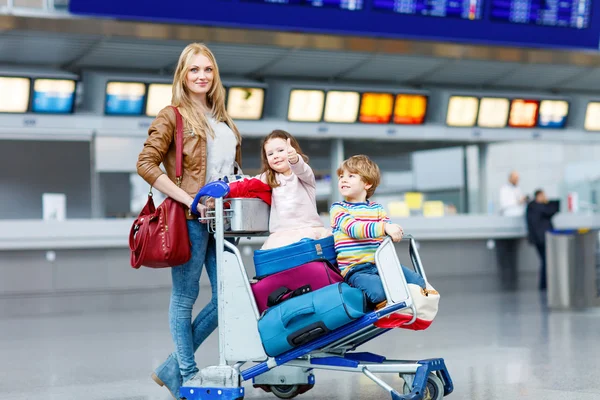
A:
<point x="497" y="344"/>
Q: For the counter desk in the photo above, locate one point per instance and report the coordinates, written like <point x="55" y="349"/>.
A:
<point x="51" y="263"/>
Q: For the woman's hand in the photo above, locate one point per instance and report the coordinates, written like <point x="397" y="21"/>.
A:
<point x="200" y="209"/>
<point x="210" y="202"/>
<point x="291" y="152"/>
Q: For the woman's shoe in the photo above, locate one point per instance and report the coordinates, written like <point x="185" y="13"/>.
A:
<point x="168" y="375"/>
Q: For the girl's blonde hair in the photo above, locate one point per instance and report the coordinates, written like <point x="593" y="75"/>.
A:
<point x="215" y="97"/>
<point x="270" y="175"/>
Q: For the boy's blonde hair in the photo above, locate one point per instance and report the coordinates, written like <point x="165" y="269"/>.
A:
<point x="366" y="168"/>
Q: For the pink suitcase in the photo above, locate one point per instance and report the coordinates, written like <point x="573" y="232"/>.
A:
<point x="274" y="289"/>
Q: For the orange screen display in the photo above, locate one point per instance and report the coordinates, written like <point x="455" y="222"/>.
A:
<point x="410" y="109"/>
<point x="523" y="113"/>
<point x="376" y="108"/>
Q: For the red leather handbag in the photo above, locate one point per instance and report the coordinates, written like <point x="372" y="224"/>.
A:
<point x="159" y="236"/>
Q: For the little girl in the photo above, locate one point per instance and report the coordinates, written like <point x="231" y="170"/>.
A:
<point x="293" y="206"/>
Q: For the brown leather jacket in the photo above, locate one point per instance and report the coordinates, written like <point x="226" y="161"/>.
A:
<point x="160" y="148"/>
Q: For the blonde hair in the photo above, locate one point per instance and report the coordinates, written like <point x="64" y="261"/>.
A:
<point x="366" y="168"/>
<point x="271" y="175"/>
<point x="215" y="97"/>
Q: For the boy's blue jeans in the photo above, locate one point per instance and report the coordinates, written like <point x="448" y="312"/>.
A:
<point x="188" y="336"/>
<point x="366" y="278"/>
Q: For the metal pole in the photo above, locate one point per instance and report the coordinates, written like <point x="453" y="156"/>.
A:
<point x="96" y="200"/>
<point x="220" y="246"/>
<point x="465" y="196"/>
<point x="483" y="185"/>
<point x="337" y="157"/>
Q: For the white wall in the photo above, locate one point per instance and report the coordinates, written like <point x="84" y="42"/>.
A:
<point x="438" y="169"/>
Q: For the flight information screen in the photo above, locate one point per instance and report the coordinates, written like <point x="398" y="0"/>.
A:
<point x="341" y="4"/>
<point x="528" y="23"/>
<point x="466" y="9"/>
<point x="560" y="13"/>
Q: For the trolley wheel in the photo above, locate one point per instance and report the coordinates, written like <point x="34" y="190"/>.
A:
<point x="304" y="388"/>
<point x="434" y="390"/>
<point x="266" y="388"/>
<point x="285" y="391"/>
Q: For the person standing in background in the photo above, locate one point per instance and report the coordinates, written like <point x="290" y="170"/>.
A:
<point x="539" y="221"/>
<point x="512" y="201"/>
<point x="512" y="204"/>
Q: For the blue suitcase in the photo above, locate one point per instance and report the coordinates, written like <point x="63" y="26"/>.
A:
<point x="302" y="319"/>
<point x="269" y="262"/>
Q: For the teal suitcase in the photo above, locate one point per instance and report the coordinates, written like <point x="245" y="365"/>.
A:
<point x="302" y="319"/>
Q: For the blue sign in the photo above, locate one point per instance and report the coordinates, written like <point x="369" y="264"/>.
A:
<point x="494" y="22"/>
<point x="553" y="114"/>
<point x="52" y="103"/>
<point x="466" y="9"/>
<point x="563" y="13"/>
<point x="124" y="105"/>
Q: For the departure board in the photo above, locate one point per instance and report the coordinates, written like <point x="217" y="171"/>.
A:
<point x="559" y="13"/>
<point x="341" y="4"/>
<point x="524" y="23"/>
<point x="466" y="9"/>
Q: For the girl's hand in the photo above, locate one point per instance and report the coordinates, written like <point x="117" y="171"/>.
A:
<point x="291" y="152"/>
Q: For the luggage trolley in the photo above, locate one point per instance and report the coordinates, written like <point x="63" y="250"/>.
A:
<point x="291" y="373"/>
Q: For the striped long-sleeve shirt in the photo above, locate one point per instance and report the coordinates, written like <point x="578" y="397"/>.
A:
<point x="358" y="230"/>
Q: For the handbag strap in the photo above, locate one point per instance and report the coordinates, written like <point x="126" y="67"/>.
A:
<point x="138" y="247"/>
<point x="178" y="145"/>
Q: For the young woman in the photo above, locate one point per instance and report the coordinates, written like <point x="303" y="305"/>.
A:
<point x="211" y="145"/>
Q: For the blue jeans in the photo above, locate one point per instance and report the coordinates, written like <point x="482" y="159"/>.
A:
<point x="366" y="278"/>
<point x="188" y="336"/>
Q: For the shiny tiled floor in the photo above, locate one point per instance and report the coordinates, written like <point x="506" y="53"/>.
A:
<point x="497" y="345"/>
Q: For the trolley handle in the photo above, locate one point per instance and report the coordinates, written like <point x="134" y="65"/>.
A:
<point x="216" y="189"/>
<point x="413" y="253"/>
<point x="415" y="258"/>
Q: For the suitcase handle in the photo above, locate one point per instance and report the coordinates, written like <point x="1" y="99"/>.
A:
<point x="288" y="318"/>
<point x="283" y="293"/>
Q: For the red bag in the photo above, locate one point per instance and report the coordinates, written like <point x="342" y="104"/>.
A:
<point x="159" y="236"/>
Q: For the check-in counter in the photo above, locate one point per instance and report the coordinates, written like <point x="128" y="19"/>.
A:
<point x="50" y="263"/>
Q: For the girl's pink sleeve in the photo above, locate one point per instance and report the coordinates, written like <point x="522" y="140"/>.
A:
<point x="304" y="172"/>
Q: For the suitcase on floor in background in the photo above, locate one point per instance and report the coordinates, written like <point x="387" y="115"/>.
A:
<point x="274" y="289"/>
<point x="305" y="318"/>
<point x="269" y="262"/>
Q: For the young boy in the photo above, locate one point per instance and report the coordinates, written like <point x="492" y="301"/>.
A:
<point x="359" y="226"/>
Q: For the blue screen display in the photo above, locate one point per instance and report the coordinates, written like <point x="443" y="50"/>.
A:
<point x="556" y="122"/>
<point x="466" y="21"/>
<point x="466" y="9"/>
<point x="553" y="124"/>
<point x="124" y="105"/>
<point x="562" y="13"/>
<point x="341" y="4"/>
<point x="52" y="103"/>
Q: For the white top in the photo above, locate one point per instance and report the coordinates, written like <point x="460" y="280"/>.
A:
<point x="220" y="151"/>
<point x="510" y="197"/>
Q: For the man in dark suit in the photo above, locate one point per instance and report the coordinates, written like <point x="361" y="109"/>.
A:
<point x="539" y="215"/>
